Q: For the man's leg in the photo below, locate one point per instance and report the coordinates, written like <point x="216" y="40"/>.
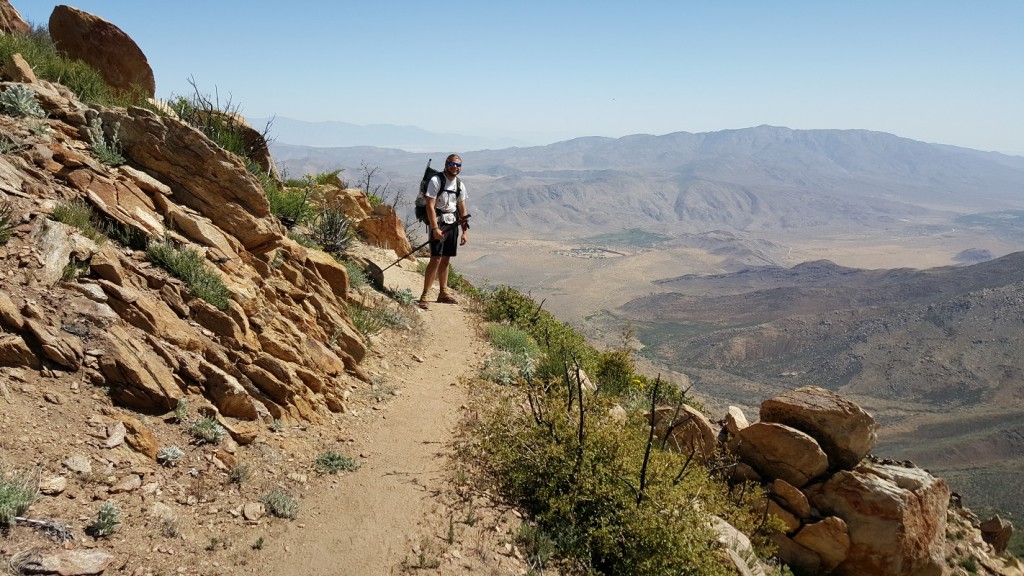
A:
<point x="430" y="273"/>
<point x="442" y="274"/>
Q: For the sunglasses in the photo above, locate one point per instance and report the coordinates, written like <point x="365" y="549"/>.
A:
<point x="455" y="164"/>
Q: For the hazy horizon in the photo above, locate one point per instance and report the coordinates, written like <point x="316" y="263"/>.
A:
<point x="933" y="72"/>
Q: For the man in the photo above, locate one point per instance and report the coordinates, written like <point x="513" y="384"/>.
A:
<point x="446" y="205"/>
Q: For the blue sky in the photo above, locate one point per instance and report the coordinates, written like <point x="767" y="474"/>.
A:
<point x="943" y="71"/>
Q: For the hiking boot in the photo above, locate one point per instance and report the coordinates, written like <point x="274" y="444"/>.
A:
<point x="446" y="299"/>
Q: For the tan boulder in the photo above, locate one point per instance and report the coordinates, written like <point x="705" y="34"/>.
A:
<point x="137" y="377"/>
<point x="56" y="244"/>
<point x="802" y="561"/>
<point x="685" y="430"/>
<point x="352" y="201"/>
<point x="385" y="229"/>
<point x="735" y="421"/>
<point x="791" y="522"/>
<point x="843" y="430"/>
<point x="11" y="21"/>
<point x="790" y="498"/>
<point x="15" y="352"/>
<point x="226" y="393"/>
<point x="778" y="451"/>
<point x="997" y="532"/>
<point x="105" y="47"/>
<point x="896" y="518"/>
<point x="139" y="437"/>
<point x="829" y="538"/>
<point x="65" y="350"/>
<point x="18" y="70"/>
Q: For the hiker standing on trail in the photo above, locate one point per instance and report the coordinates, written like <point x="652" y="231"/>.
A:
<point x="446" y="205"/>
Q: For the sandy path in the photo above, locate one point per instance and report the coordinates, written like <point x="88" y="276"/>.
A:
<point x="366" y="522"/>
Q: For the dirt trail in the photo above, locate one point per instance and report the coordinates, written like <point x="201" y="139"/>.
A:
<point x="369" y="521"/>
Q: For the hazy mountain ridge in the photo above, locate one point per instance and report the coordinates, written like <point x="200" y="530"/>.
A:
<point x="755" y="179"/>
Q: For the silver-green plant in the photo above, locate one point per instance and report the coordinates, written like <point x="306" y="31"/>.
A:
<point x="107" y="150"/>
<point x="331" y="463"/>
<point x="181" y="410"/>
<point x="207" y="431"/>
<point x="169" y="455"/>
<point x="281" y="504"/>
<point x="17" y="492"/>
<point x="405" y="297"/>
<point x="20" y="101"/>
<point x="107" y="520"/>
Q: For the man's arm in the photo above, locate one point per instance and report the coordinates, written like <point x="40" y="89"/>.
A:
<point x="435" y="231"/>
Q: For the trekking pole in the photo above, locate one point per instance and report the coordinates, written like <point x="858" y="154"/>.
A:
<point x="445" y="229"/>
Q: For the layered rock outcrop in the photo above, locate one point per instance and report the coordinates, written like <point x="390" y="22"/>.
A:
<point x="281" y="347"/>
<point x="842" y="511"/>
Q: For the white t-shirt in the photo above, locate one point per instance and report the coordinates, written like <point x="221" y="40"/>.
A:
<point x="446" y="200"/>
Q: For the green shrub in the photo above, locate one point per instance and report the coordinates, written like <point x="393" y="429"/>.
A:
<point x="356" y="275"/>
<point x="303" y="240"/>
<point x="239" y="474"/>
<point x="331" y="463"/>
<point x="512" y="339"/>
<point x="6" y="221"/>
<point x="561" y="344"/>
<point x="222" y="123"/>
<point x="608" y="505"/>
<point x="17" y="492"/>
<point x="508" y="368"/>
<point x="537" y="546"/>
<point x="281" y="504"/>
<point x="80" y="215"/>
<point x="107" y="520"/>
<point x="332" y="230"/>
<point x="190" y="267"/>
<point x="108" y="150"/>
<point x="291" y="206"/>
<point x="369" y="320"/>
<point x="20" y="101"/>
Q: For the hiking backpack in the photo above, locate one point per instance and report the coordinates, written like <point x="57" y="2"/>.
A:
<point x="421" y="199"/>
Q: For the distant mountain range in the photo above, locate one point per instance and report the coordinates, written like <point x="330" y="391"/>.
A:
<point x="754" y="180"/>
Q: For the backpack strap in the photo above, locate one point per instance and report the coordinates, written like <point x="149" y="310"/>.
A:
<point x="442" y="180"/>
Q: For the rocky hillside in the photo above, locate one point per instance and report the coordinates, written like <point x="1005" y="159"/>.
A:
<point x="112" y="354"/>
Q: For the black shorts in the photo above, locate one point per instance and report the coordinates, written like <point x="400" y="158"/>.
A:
<point x="448" y="245"/>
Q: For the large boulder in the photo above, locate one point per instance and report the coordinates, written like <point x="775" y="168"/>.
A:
<point x="896" y="518"/>
<point x="778" y="451"/>
<point x="11" y="21"/>
<point x="843" y="430"/>
<point x="685" y="430"/>
<point x="383" y="228"/>
<point x="105" y="47"/>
